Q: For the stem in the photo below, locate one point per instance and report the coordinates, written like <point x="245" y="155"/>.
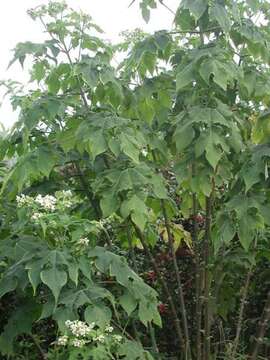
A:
<point x="42" y="353"/>
<point x="87" y="192"/>
<point x="195" y="31"/>
<point x="241" y="313"/>
<point x="178" y="280"/>
<point x="154" y="341"/>
<point x="134" y="264"/>
<point x="262" y="327"/>
<point x="164" y="285"/>
<point x="207" y="320"/>
<point x="198" y="276"/>
<point x="167" y="7"/>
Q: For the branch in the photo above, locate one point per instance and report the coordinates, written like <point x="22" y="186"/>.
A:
<point x="195" y="31"/>
<point x="262" y="327"/>
<point x="163" y="283"/>
<point x="178" y="279"/>
<point x="167" y="7"/>
<point x="198" y="271"/>
<point x="207" y="320"/>
<point x="132" y="2"/>
<point x="241" y="312"/>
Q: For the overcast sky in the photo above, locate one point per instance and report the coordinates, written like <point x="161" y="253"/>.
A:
<point x="113" y="16"/>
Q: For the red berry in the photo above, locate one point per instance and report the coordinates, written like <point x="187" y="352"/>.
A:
<point x="162" y="308"/>
<point x="151" y="275"/>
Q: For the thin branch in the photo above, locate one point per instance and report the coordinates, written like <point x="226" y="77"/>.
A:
<point x="241" y="312"/>
<point x="167" y="7"/>
<point x="164" y="285"/>
<point x="198" y="272"/>
<point x="262" y="327"/>
<point x="195" y="31"/>
<point x="42" y="353"/>
<point x="87" y="192"/>
<point x="132" y="2"/>
<point x="178" y="280"/>
<point x="207" y="320"/>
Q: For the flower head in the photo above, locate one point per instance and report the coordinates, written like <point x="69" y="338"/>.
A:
<point x="83" y="242"/>
<point x="117" y="338"/>
<point x="78" y="343"/>
<point x="48" y="202"/>
<point x="62" y="340"/>
<point x="109" y="329"/>
<point x="78" y="328"/>
<point x="100" y="338"/>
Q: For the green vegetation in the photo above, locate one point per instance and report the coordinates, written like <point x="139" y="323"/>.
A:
<point x="135" y="205"/>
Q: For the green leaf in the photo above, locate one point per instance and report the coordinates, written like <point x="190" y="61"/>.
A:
<point x="7" y="285"/>
<point x="132" y="350"/>
<point x="99" y="314"/>
<point x="139" y="219"/>
<point x="196" y="7"/>
<point x="220" y="14"/>
<point x="246" y="231"/>
<point x="183" y="136"/>
<point x="221" y="74"/>
<point x="128" y="302"/>
<point x="109" y="203"/>
<point x="20" y="322"/>
<point x="55" y="279"/>
<point x="128" y="148"/>
<point x="98" y="144"/>
<point x="184" y="77"/>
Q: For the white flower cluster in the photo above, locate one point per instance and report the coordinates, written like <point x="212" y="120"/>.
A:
<point x="48" y="202"/>
<point x="36" y="216"/>
<point x="83" y="242"/>
<point x="62" y="340"/>
<point x="100" y="338"/>
<point x="65" y="198"/>
<point x="79" y="328"/>
<point x="109" y="329"/>
<point x="78" y="343"/>
<point x="117" y="338"/>
<point x="24" y="200"/>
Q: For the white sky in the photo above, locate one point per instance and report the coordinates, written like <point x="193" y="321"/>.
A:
<point x="113" y="16"/>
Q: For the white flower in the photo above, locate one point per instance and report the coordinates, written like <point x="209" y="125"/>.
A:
<point x="144" y="152"/>
<point x="67" y="193"/>
<point x="62" y="340"/>
<point x="100" y="338"/>
<point x="36" y="216"/>
<point x="78" y="343"/>
<point x="79" y="328"/>
<point x="68" y="323"/>
<point x="117" y="338"/>
<point x="23" y="200"/>
<point x="83" y="241"/>
<point x="92" y="325"/>
<point x="109" y="329"/>
<point x="48" y="202"/>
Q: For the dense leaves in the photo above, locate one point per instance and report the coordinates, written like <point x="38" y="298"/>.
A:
<point x="161" y="157"/>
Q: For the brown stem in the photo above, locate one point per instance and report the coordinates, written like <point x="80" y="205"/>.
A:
<point x="207" y="320"/>
<point x="167" y="7"/>
<point x="198" y="278"/>
<point x="178" y="280"/>
<point x="164" y="285"/>
<point x="41" y="352"/>
<point x="86" y="190"/>
<point x="196" y="31"/>
<point x="262" y="327"/>
<point x="241" y="313"/>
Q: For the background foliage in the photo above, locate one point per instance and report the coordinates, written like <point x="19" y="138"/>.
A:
<point x="121" y="178"/>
